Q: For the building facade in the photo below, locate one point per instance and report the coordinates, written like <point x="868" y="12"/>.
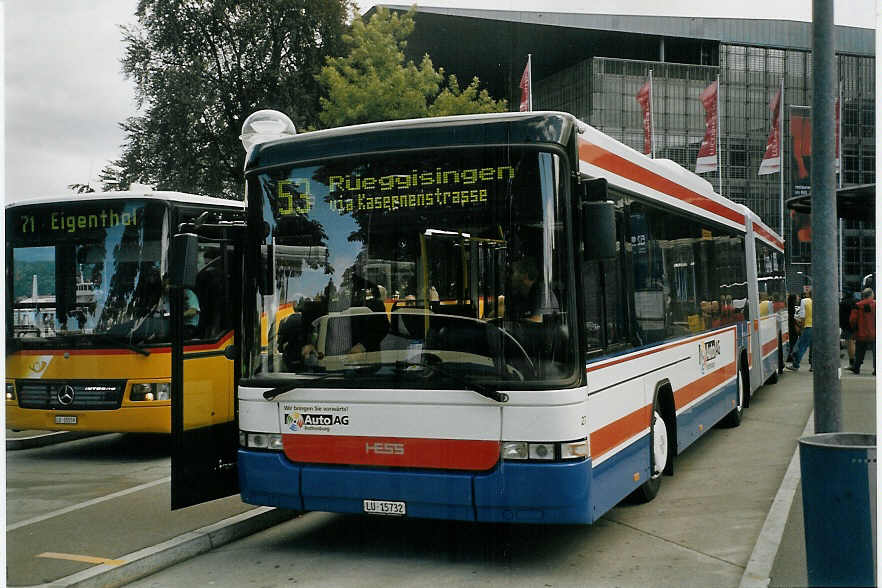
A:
<point x="594" y="65"/>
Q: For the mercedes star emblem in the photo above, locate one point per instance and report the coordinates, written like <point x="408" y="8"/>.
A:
<point x="65" y="395"/>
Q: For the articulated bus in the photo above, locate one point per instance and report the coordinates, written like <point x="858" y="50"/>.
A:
<point x="88" y="332"/>
<point x="510" y="318"/>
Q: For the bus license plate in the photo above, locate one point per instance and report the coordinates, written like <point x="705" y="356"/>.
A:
<point x="385" y="507"/>
<point x="65" y="420"/>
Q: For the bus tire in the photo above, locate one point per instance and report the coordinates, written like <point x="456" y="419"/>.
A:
<point x="659" y="455"/>
<point x="733" y="419"/>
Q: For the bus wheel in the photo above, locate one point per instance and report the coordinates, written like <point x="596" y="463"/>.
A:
<point x="659" y="454"/>
<point x="733" y="419"/>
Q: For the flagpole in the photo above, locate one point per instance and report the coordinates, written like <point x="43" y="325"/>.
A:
<point x="841" y="153"/>
<point x="781" y="156"/>
<point x="841" y="156"/>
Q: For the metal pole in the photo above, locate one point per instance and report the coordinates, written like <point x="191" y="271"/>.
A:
<point x="825" y="335"/>
<point x="781" y="159"/>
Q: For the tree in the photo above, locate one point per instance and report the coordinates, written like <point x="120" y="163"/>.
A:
<point x="81" y="188"/>
<point x="200" y="67"/>
<point x="374" y="83"/>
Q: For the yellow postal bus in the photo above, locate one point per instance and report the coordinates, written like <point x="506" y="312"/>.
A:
<point x="88" y="329"/>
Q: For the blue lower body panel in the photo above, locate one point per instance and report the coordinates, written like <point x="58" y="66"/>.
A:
<point x="620" y="475"/>
<point x="770" y="364"/>
<point x="706" y="414"/>
<point x="511" y="492"/>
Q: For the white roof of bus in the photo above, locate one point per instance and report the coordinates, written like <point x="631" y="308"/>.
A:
<point x="694" y="194"/>
<point x="659" y="179"/>
<point x="180" y="197"/>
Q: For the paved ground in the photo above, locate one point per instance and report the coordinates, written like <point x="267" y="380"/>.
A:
<point x="748" y="528"/>
<point x="858" y="416"/>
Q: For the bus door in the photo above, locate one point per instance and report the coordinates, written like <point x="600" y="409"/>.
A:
<point x="205" y="301"/>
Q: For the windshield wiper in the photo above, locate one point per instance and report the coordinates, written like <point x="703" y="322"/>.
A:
<point x="279" y="390"/>
<point x="123" y="342"/>
<point x="485" y="391"/>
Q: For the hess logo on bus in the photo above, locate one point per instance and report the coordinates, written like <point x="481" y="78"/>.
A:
<point x="383" y="448"/>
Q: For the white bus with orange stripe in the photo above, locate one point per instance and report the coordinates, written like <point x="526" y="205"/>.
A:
<point x="88" y="330"/>
<point x="572" y="316"/>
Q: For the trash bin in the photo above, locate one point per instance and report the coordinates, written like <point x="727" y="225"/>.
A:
<point x="839" y="507"/>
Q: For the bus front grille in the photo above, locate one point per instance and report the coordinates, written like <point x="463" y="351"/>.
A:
<point x="70" y="395"/>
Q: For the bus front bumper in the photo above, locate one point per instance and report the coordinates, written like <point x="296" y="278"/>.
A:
<point x="527" y="492"/>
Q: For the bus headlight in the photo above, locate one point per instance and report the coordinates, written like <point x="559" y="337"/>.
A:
<point x="151" y="391"/>
<point x="270" y="441"/>
<point x="10" y="391"/>
<point x="545" y="451"/>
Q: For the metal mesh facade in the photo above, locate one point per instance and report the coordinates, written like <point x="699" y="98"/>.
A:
<point x="602" y="91"/>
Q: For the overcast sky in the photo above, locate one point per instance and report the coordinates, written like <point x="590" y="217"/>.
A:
<point x="65" y="95"/>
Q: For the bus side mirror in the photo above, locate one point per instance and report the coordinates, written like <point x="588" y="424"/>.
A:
<point x="266" y="282"/>
<point x="183" y="261"/>
<point x="599" y="230"/>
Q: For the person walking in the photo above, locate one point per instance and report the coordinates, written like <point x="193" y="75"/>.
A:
<point x="849" y="299"/>
<point x="863" y="323"/>
<point x="792" y="327"/>
<point x="803" y="315"/>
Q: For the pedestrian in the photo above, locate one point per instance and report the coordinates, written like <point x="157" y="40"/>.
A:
<point x="792" y="326"/>
<point x="863" y="322"/>
<point x="803" y="316"/>
<point x="846" y="304"/>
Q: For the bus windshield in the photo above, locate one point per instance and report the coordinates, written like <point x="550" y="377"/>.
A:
<point x="448" y="268"/>
<point x="88" y="270"/>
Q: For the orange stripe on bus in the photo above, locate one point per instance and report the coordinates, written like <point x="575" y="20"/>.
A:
<point x="769" y="347"/>
<point x="617" y="432"/>
<point x="596" y="155"/>
<point x="117" y="351"/>
<point x="703" y="385"/>
<point x="775" y="241"/>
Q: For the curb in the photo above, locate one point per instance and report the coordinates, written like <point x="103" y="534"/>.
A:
<point x="46" y="439"/>
<point x="758" y="572"/>
<point x="152" y="559"/>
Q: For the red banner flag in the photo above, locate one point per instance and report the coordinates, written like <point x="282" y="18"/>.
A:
<point x="526" y="88"/>
<point x="707" y="151"/>
<point x="644" y="97"/>
<point x="772" y="158"/>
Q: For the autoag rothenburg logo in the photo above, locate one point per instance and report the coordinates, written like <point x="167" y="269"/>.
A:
<point x="294" y="421"/>
<point x="65" y="395"/>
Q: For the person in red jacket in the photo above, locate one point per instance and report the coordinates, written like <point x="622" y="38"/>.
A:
<point x="863" y="325"/>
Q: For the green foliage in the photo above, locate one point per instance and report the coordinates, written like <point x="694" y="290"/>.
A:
<point x="373" y="82"/>
<point x="200" y="67"/>
<point x="81" y="188"/>
<point x="469" y="101"/>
